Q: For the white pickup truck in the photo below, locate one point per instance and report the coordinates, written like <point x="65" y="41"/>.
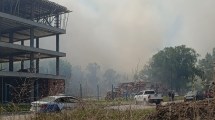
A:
<point x="148" y="96"/>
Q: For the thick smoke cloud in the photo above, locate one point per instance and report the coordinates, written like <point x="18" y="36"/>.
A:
<point x="119" y="33"/>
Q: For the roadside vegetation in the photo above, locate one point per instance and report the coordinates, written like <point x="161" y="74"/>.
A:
<point x="93" y="110"/>
<point x="12" y="107"/>
<point x="87" y="110"/>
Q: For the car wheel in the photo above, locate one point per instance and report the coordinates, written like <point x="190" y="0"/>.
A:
<point x="157" y="102"/>
<point x="136" y="102"/>
<point x="195" y="98"/>
<point x="56" y="108"/>
<point x="144" y="102"/>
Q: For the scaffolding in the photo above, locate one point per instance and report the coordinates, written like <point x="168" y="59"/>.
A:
<point x="41" y="11"/>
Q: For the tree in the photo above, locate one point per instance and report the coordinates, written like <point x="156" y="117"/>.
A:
<point x="92" y="77"/>
<point x="65" y="68"/>
<point x="110" y="77"/>
<point x="173" y="66"/>
<point x="206" y="64"/>
<point x="77" y="79"/>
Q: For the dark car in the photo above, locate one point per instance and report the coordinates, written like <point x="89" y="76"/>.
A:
<point x="194" y="95"/>
<point x="209" y="93"/>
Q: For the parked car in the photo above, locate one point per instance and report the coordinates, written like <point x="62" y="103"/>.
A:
<point x="176" y="94"/>
<point x="209" y="93"/>
<point x="194" y="95"/>
<point x="149" y="96"/>
<point x="54" y="104"/>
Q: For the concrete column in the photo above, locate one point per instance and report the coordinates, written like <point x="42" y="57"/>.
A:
<point x="22" y="62"/>
<point x="37" y="42"/>
<point x="31" y="37"/>
<point x="11" y="37"/>
<point x="32" y="63"/>
<point x="57" y="42"/>
<point x="11" y="56"/>
<point x="6" y="92"/>
<point x="57" y="66"/>
<point x="32" y="45"/>
<point x="2" y="5"/>
<point x="0" y="31"/>
<point x="0" y="27"/>
<point x="22" y="42"/>
<point x="37" y="89"/>
<point x="57" y="58"/>
<point x="57" y="46"/>
<point x="32" y="10"/>
<point x="37" y="60"/>
<point x="2" y="90"/>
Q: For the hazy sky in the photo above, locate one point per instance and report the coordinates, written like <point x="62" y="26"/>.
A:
<point x="120" y="33"/>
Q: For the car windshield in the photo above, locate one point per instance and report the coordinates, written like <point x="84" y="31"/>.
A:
<point x="47" y="99"/>
<point x="149" y="92"/>
<point x="140" y="93"/>
<point x="66" y="100"/>
<point x="192" y="93"/>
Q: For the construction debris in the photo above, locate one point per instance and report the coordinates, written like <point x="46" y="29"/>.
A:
<point x="129" y="89"/>
<point x="196" y="110"/>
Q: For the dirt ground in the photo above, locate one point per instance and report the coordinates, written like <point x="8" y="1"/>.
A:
<point x="195" y="110"/>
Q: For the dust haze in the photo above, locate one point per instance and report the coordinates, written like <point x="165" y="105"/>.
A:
<point x="119" y="34"/>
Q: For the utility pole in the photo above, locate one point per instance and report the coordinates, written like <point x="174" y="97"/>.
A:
<point x="98" y="92"/>
<point x="80" y="91"/>
<point x="112" y="93"/>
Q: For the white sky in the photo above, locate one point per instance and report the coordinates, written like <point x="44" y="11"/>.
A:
<point x="120" y="33"/>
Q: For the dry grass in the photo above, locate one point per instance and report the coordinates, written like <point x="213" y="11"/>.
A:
<point x="88" y="110"/>
<point x="12" y="107"/>
<point x="95" y="111"/>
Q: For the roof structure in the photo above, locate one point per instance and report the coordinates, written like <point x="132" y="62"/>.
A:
<point x="23" y="8"/>
<point x="18" y="16"/>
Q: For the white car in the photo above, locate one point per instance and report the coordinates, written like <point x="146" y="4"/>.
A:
<point x="149" y="96"/>
<point x="54" y="104"/>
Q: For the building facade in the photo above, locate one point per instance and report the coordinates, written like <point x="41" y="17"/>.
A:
<point x="23" y="24"/>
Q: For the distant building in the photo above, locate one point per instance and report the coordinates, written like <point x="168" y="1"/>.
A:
<point x="28" y="21"/>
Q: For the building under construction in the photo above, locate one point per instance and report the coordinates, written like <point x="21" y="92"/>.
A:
<point x="22" y="25"/>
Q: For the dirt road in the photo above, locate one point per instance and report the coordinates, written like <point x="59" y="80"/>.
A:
<point x="139" y="106"/>
<point x="131" y="107"/>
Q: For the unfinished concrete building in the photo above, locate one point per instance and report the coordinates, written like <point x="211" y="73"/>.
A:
<point x="22" y="25"/>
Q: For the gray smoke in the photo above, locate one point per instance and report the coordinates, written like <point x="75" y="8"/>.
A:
<point x="119" y="33"/>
